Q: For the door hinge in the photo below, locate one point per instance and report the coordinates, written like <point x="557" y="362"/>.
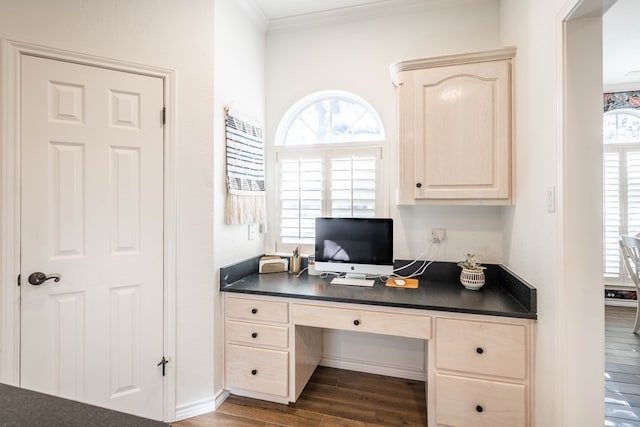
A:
<point x="164" y="115"/>
<point x="163" y="362"/>
<point x="18" y="279"/>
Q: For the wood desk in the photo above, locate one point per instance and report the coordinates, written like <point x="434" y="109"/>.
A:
<point x="479" y="367"/>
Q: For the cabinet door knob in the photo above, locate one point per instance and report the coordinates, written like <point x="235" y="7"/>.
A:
<point x="254" y="310"/>
<point x="479" y="408"/>
<point x="479" y="350"/>
<point x="356" y="322"/>
<point x="418" y="184"/>
<point x="254" y="335"/>
<point x="254" y="372"/>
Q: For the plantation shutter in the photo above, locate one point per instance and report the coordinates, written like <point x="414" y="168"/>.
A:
<point x="301" y="198"/>
<point x="612" y="214"/>
<point x="633" y="192"/>
<point x="621" y="206"/>
<point x="353" y="185"/>
<point x="313" y="183"/>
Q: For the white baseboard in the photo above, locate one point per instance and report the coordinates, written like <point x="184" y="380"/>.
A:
<point x="373" y="368"/>
<point x="199" y="407"/>
<point x="221" y="397"/>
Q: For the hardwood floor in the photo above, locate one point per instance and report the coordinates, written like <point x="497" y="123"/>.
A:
<point x="622" y="368"/>
<point x="332" y="398"/>
<point x="338" y="398"/>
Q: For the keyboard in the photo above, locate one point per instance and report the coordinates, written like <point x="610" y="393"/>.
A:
<point x="352" y="282"/>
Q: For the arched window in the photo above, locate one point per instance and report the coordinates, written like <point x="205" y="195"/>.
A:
<point x="330" y="117"/>
<point x="329" y="155"/>
<point x="621" y="139"/>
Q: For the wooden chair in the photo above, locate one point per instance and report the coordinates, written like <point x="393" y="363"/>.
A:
<point x="630" y="249"/>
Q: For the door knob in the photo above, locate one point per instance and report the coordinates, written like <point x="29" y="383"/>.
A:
<point x="39" y="278"/>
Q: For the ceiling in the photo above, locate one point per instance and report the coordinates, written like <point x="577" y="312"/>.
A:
<point x="278" y="9"/>
<point x="621" y="43"/>
<point x="621" y="34"/>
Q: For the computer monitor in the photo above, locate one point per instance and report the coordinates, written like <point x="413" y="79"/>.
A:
<point x="359" y="247"/>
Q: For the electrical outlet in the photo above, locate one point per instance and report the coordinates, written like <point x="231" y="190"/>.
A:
<point x="437" y="235"/>
<point x="252" y="231"/>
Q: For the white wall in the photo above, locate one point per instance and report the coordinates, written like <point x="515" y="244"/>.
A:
<point x="355" y="56"/>
<point x="560" y="253"/>
<point x="177" y="36"/>
<point x="239" y="84"/>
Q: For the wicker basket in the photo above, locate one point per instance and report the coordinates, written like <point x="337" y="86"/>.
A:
<point x="472" y="279"/>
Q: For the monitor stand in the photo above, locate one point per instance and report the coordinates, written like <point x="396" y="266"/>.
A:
<point x="352" y="279"/>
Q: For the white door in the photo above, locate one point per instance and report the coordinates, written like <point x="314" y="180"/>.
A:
<point x="92" y="213"/>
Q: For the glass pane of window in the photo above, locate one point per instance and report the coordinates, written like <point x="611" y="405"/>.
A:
<point x="334" y="117"/>
<point x="621" y="126"/>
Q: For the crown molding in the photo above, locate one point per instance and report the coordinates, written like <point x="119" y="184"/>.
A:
<point x="355" y="13"/>
<point x="253" y="11"/>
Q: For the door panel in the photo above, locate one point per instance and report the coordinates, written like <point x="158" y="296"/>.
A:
<point x="92" y="204"/>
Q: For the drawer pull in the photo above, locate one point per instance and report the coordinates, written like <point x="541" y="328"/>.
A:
<point x="254" y="335"/>
<point x="254" y="310"/>
<point x="418" y="185"/>
<point x="255" y="372"/>
<point x="479" y="350"/>
<point x="479" y="409"/>
<point x="356" y="322"/>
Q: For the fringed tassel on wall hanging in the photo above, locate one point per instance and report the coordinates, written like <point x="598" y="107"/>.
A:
<point x="246" y="196"/>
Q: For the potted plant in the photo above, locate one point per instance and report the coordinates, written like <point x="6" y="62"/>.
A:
<point x="472" y="275"/>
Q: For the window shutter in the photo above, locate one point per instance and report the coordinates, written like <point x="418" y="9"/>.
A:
<point x="633" y="192"/>
<point x="300" y="198"/>
<point x="612" y="214"/>
<point x="353" y="186"/>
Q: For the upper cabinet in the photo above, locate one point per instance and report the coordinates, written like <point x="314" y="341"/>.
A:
<point x="455" y="129"/>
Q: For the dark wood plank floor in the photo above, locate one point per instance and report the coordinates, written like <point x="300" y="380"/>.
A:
<point x="332" y="398"/>
<point x="622" y="368"/>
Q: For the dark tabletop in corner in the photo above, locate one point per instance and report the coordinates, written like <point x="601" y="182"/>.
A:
<point x="432" y="294"/>
<point x="20" y="407"/>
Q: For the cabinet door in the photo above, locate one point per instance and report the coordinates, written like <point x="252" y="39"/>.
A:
<point x="462" y="131"/>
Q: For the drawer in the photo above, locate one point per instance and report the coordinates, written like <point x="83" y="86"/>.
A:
<point x="254" y="309"/>
<point x="471" y="402"/>
<point x="259" y="370"/>
<point x="481" y="347"/>
<point x="350" y="319"/>
<point x="257" y="334"/>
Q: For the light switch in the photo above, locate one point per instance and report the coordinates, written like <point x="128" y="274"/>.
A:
<point x="551" y="198"/>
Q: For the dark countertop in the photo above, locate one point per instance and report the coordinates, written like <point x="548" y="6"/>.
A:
<point x="20" y="407"/>
<point x="503" y="294"/>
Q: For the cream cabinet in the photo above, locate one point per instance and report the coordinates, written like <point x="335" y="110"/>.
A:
<point x="479" y="369"/>
<point x="455" y="142"/>
<point x="481" y="373"/>
<point x="257" y="347"/>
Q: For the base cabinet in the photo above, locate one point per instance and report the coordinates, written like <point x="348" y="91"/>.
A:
<point x="464" y="401"/>
<point x="257" y="347"/>
<point x="259" y="370"/>
<point x="479" y="368"/>
<point x="482" y="373"/>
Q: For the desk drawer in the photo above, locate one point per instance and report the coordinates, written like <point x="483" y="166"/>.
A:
<point x="257" y="334"/>
<point x="481" y="347"/>
<point x="257" y="310"/>
<point x="351" y="319"/>
<point x="479" y="403"/>
<point x="259" y="370"/>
